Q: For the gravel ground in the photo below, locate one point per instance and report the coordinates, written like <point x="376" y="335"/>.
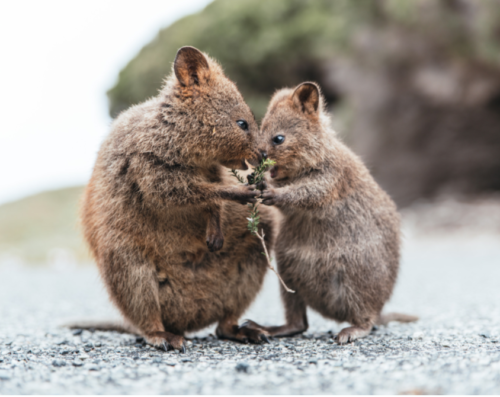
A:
<point x="451" y="281"/>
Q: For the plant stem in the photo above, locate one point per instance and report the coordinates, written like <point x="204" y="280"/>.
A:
<point x="269" y="264"/>
<point x="253" y="220"/>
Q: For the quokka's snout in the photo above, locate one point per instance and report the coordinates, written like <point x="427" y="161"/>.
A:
<point x="258" y="156"/>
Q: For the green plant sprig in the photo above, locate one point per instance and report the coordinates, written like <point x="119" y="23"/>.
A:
<point x="256" y="177"/>
<point x="237" y="176"/>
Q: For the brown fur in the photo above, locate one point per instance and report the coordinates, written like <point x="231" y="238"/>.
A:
<point x="339" y="240"/>
<point x="163" y="220"/>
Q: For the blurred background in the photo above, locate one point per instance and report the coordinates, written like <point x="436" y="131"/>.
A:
<point x="413" y="87"/>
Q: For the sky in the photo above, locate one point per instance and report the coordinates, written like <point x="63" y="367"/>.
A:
<point x="57" y="60"/>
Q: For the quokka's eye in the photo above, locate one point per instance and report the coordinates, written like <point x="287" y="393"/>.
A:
<point x="243" y="125"/>
<point x="278" y="139"/>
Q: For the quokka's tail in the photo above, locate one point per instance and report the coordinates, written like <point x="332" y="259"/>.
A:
<point x="96" y="325"/>
<point x="386" y="318"/>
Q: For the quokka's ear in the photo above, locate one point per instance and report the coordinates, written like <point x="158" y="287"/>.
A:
<point x="306" y="98"/>
<point x="190" y="66"/>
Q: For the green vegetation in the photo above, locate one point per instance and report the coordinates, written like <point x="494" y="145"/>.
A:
<point x="34" y="226"/>
<point x="256" y="177"/>
<point x="262" y="45"/>
<point x="265" y="45"/>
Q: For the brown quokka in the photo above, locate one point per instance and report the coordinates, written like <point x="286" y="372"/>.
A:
<point x="158" y="202"/>
<point x="339" y="240"/>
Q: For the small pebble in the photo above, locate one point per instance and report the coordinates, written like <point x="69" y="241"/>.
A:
<point x="58" y="363"/>
<point x="242" y="367"/>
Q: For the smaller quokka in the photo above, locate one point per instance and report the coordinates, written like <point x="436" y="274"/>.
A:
<point x="339" y="243"/>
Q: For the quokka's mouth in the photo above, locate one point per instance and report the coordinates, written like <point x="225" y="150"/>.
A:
<point x="274" y="171"/>
<point x="244" y="165"/>
<point x="254" y="161"/>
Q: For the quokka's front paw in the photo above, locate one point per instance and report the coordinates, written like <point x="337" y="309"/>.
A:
<point x="166" y="341"/>
<point x="270" y="197"/>
<point x="244" y="194"/>
<point x="215" y="242"/>
<point x="262" y="186"/>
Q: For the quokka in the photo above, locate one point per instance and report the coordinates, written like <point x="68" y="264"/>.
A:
<point x="163" y="218"/>
<point x="339" y="239"/>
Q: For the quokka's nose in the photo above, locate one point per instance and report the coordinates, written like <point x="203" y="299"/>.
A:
<point x="263" y="154"/>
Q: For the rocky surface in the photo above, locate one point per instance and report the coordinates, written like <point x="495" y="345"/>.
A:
<point x="452" y="282"/>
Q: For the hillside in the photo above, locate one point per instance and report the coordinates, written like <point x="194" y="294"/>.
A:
<point x="413" y="86"/>
<point x="43" y="228"/>
<point x="265" y="45"/>
<point x="262" y="46"/>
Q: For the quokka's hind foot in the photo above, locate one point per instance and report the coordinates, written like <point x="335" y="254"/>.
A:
<point x="282" y="330"/>
<point x="386" y="318"/>
<point x="253" y="334"/>
<point x="166" y="341"/>
<point x="244" y="333"/>
<point x="350" y="334"/>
